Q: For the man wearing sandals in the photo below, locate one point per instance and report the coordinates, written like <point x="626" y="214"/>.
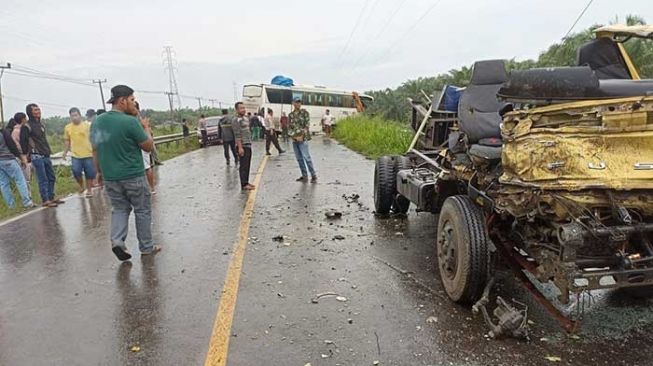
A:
<point x="118" y="138"/>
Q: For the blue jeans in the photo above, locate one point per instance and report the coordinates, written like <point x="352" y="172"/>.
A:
<point x="303" y="157"/>
<point x="45" y="176"/>
<point x="83" y="166"/>
<point x="125" y="195"/>
<point x="10" y="170"/>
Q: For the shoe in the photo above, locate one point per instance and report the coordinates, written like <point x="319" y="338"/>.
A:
<point x="268" y="153"/>
<point x="302" y="179"/>
<point x="249" y="187"/>
<point x="282" y="151"/>
<point x="49" y="204"/>
<point x="228" y="162"/>
<point x="314" y="179"/>
<point x="30" y="206"/>
<point x="59" y="201"/>
<point x="121" y="253"/>
<point x="155" y="249"/>
<point x="158" y="163"/>
<point x="153" y="193"/>
<point x="88" y="194"/>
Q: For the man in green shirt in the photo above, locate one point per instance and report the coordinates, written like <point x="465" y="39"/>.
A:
<point x="298" y="129"/>
<point x="118" y="138"/>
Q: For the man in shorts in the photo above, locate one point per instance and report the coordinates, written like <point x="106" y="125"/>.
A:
<point x="77" y="140"/>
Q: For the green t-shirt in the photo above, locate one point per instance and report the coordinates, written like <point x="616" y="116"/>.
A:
<point x="116" y="136"/>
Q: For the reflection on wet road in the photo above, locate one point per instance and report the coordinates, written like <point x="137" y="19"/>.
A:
<point x="67" y="301"/>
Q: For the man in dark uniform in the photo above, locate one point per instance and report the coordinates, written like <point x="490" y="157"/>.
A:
<point x="226" y="134"/>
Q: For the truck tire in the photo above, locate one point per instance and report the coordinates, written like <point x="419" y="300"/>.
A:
<point x="385" y="184"/>
<point x="401" y="204"/>
<point x="462" y="249"/>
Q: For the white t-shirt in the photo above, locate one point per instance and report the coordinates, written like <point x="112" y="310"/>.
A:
<point x="327" y="119"/>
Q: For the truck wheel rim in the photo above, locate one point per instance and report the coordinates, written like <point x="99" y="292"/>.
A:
<point x="447" y="255"/>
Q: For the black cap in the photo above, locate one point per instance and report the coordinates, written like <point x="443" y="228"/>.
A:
<point x="297" y="100"/>
<point x="120" y="91"/>
<point x="90" y="113"/>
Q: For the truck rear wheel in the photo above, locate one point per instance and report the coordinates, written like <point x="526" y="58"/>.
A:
<point x="401" y="204"/>
<point x="385" y="182"/>
<point x="462" y="249"/>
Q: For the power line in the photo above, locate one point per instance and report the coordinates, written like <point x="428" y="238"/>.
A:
<point x="100" y="81"/>
<point x="383" y="29"/>
<point x="415" y="24"/>
<point x="351" y="35"/>
<point x="577" y="19"/>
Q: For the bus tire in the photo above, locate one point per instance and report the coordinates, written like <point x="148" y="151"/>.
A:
<point x="462" y="248"/>
<point x="384" y="184"/>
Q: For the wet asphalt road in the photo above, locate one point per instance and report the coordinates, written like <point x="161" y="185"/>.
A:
<point x="67" y="301"/>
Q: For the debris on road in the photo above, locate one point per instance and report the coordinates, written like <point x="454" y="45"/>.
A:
<point x="341" y="298"/>
<point x="338" y="237"/>
<point x="317" y="297"/>
<point x="135" y="348"/>
<point x="553" y="358"/>
<point x="279" y="238"/>
<point x="353" y="198"/>
<point x="332" y="215"/>
<point x="431" y="320"/>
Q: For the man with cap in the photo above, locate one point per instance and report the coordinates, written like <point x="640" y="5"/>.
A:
<point x="298" y="124"/>
<point x="118" y="137"/>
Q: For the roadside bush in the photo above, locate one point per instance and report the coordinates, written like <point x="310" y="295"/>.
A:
<point x="373" y="136"/>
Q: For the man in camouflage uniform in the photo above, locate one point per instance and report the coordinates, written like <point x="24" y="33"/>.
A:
<point x="298" y="125"/>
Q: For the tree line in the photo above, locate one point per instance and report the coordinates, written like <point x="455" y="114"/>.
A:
<point x="392" y="103"/>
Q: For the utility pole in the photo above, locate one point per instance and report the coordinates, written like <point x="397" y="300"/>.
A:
<point x="235" y="93"/>
<point x="99" y="82"/>
<point x="199" y="102"/>
<point x="172" y="107"/>
<point x="213" y="103"/>
<point x="170" y="65"/>
<point x="2" y="110"/>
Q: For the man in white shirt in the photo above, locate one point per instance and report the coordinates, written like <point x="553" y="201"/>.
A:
<point x="327" y="122"/>
<point x="271" y="133"/>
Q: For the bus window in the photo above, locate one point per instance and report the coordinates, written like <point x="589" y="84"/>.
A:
<point x="335" y="100"/>
<point x="319" y="99"/>
<point x="252" y="91"/>
<point x="287" y="96"/>
<point x="275" y="96"/>
<point x="348" y="101"/>
<point x="298" y="95"/>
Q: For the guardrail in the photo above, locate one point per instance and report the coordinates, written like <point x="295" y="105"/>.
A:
<point x="57" y="158"/>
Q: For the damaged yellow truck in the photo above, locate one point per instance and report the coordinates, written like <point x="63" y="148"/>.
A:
<point x="548" y="171"/>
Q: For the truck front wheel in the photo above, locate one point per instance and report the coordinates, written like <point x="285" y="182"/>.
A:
<point x="462" y="249"/>
<point x="385" y="182"/>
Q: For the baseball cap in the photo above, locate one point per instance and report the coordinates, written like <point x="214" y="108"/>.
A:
<point x="297" y="100"/>
<point x="90" y="113"/>
<point x="120" y="91"/>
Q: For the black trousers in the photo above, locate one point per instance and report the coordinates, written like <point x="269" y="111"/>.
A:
<point x="204" y="137"/>
<point x="245" y="163"/>
<point x="227" y="145"/>
<point x="271" y="137"/>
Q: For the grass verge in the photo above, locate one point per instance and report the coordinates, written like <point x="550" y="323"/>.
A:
<point x="66" y="184"/>
<point x="373" y="136"/>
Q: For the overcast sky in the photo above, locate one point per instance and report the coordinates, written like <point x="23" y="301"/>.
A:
<point x="219" y="43"/>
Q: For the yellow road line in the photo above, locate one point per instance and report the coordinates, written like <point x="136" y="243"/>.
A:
<point x="219" y="344"/>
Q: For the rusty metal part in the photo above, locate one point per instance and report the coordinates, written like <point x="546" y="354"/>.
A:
<point x="519" y="264"/>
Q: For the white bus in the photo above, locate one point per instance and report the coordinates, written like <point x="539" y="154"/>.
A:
<point x="315" y="99"/>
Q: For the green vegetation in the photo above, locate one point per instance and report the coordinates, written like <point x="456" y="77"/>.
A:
<point x="66" y="184"/>
<point x="391" y="103"/>
<point x="373" y="136"/>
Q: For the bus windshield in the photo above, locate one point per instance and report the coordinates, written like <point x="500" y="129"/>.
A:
<point x="252" y="91"/>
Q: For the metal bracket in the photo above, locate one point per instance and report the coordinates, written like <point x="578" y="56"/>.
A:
<point x="643" y="166"/>
<point x="511" y="321"/>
